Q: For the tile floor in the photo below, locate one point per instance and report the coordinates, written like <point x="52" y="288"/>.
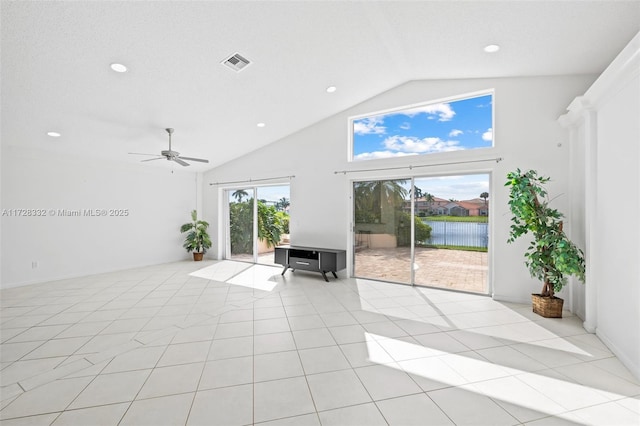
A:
<point x="228" y="343"/>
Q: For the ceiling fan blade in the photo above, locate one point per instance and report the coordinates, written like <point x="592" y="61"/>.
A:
<point x="201" y="160"/>
<point x="179" y="161"/>
<point x="141" y="153"/>
<point x="152" y="159"/>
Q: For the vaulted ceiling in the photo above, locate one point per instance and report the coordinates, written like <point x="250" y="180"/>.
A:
<point x="56" y="56"/>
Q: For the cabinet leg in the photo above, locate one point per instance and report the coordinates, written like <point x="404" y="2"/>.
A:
<point x="325" y="276"/>
<point x="334" y="274"/>
<point x="285" y="269"/>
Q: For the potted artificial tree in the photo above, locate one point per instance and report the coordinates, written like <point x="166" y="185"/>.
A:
<point x="551" y="256"/>
<point x="197" y="240"/>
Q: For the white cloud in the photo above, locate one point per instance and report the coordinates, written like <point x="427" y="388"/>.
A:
<point x="443" y="111"/>
<point x="379" y="154"/>
<point x="369" y="125"/>
<point x="461" y="187"/>
<point x="421" y="146"/>
<point x="488" y="135"/>
<point x="455" y="132"/>
<point x="405" y="126"/>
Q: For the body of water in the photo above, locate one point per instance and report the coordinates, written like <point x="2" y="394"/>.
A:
<point x="465" y="234"/>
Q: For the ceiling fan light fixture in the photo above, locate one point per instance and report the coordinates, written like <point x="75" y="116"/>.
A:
<point x="170" y="154"/>
<point x="261" y="124"/>
<point x="331" y="89"/>
<point x="54" y="134"/>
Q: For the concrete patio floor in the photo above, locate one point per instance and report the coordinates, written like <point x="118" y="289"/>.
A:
<point x="443" y="268"/>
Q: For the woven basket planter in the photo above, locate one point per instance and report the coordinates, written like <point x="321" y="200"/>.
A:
<point x="197" y="256"/>
<point x="548" y="307"/>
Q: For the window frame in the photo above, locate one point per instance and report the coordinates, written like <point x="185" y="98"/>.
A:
<point x="351" y="120"/>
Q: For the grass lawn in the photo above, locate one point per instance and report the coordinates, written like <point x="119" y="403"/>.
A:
<point x="480" y="219"/>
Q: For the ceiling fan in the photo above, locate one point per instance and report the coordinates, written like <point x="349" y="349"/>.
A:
<point x="171" y="155"/>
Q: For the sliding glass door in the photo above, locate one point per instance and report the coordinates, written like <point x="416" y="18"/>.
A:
<point x="257" y="221"/>
<point x="452" y="232"/>
<point x="382" y="230"/>
<point x="240" y="225"/>
<point x="272" y="220"/>
<point x="423" y="231"/>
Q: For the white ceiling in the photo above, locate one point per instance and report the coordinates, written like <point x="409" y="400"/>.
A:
<point x="56" y="55"/>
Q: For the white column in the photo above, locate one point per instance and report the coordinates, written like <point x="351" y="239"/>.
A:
<point x="591" y="201"/>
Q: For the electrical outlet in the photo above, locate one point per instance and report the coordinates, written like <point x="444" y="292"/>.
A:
<point x="34" y="264"/>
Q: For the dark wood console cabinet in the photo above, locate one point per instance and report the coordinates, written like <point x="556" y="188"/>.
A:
<point x="311" y="259"/>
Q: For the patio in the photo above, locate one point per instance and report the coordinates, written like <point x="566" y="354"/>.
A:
<point x="442" y="268"/>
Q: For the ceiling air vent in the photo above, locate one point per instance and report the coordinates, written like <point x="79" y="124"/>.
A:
<point x="236" y="62"/>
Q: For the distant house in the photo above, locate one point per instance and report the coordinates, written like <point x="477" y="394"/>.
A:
<point x="440" y="206"/>
<point x="422" y="207"/>
<point x="475" y="207"/>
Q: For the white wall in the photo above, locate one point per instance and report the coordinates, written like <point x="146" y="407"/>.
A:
<point x="158" y="202"/>
<point x="618" y="231"/>
<point x="526" y="135"/>
<point x="605" y="128"/>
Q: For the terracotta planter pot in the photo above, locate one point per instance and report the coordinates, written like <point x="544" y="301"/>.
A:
<point x="197" y="256"/>
<point x="548" y="307"/>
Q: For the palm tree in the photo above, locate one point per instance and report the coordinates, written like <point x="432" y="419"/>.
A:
<point x="417" y="193"/>
<point x="429" y="199"/>
<point x="484" y="195"/>
<point x="389" y="192"/>
<point x="283" y="203"/>
<point x="370" y="196"/>
<point x="240" y="194"/>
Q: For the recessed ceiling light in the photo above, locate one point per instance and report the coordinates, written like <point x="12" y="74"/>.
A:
<point x="491" y="48"/>
<point x="261" y="124"/>
<point x="118" y="67"/>
<point x="331" y="89"/>
<point x="54" y="134"/>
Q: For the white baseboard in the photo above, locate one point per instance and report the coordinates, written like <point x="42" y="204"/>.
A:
<point x="510" y="299"/>
<point x="79" y="275"/>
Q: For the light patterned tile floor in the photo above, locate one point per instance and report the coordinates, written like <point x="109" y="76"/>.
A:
<point x="230" y="343"/>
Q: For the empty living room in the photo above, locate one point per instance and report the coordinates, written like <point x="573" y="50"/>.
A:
<point x="319" y="212"/>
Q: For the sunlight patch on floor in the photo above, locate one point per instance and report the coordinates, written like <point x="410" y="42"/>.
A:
<point x="221" y="271"/>
<point x="463" y="311"/>
<point x="506" y="385"/>
<point x="258" y="277"/>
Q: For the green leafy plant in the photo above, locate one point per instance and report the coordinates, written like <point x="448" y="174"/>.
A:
<point x="284" y="219"/>
<point x="551" y="256"/>
<point x="271" y="225"/>
<point x="403" y="226"/>
<point x="197" y="239"/>
<point x="241" y="227"/>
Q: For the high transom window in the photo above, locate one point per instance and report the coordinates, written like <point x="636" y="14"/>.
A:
<point x="454" y="125"/>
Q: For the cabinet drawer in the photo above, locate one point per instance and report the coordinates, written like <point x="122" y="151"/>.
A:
<point x="304" y="264"/>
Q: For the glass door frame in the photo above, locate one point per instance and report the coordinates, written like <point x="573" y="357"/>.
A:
<point x="413" y="177"/>
<point x="227" y="223"/>
<point x="226" y="228"/>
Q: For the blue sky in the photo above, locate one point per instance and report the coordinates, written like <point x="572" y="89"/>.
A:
<point x="426" y="129"/>
<point x="459" y="187"/>
<point x="269" y="193"/>
<point x="463" y="187"/>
